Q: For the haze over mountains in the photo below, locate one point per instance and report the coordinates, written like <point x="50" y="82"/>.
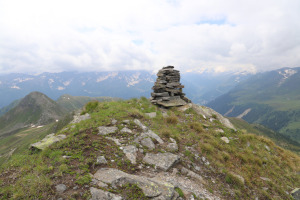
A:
<point x="200" y="88"/>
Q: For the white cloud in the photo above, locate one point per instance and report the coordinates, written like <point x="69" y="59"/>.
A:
<point x="94" y="35"/>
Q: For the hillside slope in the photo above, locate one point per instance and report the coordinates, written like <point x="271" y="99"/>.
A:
<point x="121" y="151"/>
<point x="279" y="139"/>
<point x="35" y="108"/>
<point x="270" y="99"/>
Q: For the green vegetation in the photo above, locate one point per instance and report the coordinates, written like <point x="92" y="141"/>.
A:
<point x="72" y="103"/>
<point x="246" y="155"/>
<point x="274" y="102"/>
<point x="257" y="129"/>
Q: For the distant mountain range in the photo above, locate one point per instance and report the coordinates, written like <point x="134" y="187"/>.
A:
<point x="199" y="87"/>
<point x="271" y="99"/>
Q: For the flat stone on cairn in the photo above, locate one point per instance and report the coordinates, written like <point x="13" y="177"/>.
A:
<point x="167" y="90"/>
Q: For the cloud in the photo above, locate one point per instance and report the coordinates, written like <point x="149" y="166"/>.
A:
<point x="92" y="35"/>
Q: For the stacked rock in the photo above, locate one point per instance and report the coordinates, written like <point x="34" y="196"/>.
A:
<point x="167" y="90"/>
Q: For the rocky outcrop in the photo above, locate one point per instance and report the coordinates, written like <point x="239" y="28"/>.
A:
<point x="151" y="189"/>
<point x="167" y="90"/>
<point x="210" y="113"/>
<point x="163" y="161"/>
<point x="47" y="141"/>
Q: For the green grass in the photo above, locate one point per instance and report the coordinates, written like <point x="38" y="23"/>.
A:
<point x="245" y="155"/>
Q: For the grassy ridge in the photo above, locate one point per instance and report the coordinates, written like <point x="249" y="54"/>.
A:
<point x="247" y="155"/>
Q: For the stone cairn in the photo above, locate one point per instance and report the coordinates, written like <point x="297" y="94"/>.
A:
<point x="167" y="90"/>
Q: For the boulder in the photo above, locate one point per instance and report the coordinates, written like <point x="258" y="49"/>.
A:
<point x="151" y="115"/>
<point x="208" y="112"/>
<point x="78" y="118"/>
<point x="47" y="141"/>
<point x="131" y="153"/>
<point x="98" y="194"/>
<point x="104" y="130"/>
<point x="101" y="160"/>
<point x="151" y="189"/>
<point x="126" y="130"/>
<point x="139" y="123"/>
<point x="147" y="142"/>
<point x="163" y="161"/>
<point x="225" y="139"/>
<point x="60" y="188"/>
<point x="296" y="193"/>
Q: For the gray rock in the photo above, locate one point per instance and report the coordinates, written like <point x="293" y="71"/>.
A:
<point x="225" y="139"/>
<point x="172" y="147"/>
<point x="104" y="130"/>
<point x="147" y="142"/>
<point x="151" y="189"/>
<point x="265" y="179"/>
<point x="101" y="160"/>
<point x="114" y="121"/>
<point x="154" y="136"/>
<point x="151" y="115"/>
<point x="267" y="147"/>
<point x="60" y="188"/>
<point x="139" y="123"/>
<point x="117" y="141"/>
<point x="131" y="153"/>
<point x="192" y="174"/>
<point x="126" y="130"/>
<point x="163" y="161"/>
<point x="98" y="194"/>
<point x="126" y="121"/>
<point x="205" y="111"/>
<point x="296" y="193"/>
<point x="79" y="118"/>
<point x="185" y="107"/>
<point x="47" y="141"/>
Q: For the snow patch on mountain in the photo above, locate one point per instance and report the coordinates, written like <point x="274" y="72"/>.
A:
<point x="60" y="88"/>
<point x="110" y="75"/>
<point x="286" y="74"/>
<point x="66" y="83"/>
<point x="15" y="87"/>
<point x="20" y="80"/>
<point x="133" y="80"/>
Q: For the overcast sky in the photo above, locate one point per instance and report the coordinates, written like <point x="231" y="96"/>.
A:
<point x="193" y="35"/>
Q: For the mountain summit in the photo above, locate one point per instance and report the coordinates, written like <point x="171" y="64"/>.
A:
<point x="34" y="109"/>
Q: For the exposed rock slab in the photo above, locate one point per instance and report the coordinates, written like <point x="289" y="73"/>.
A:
<point x="147" y="142"/>
<point x="79" y="118"/>
<point x="225" y="139"/>
<point x="152" y="189"/>
<point x="126" y="130"/>
<point x="139" y="123"/>
<point x="61" y="188"/>
<point x="154" y="136"/>
<point x="208" y="112"/>
<point x="296" y="193"/>
<point x="47" y="141"/>
<point x="98" y="194"/>
<point x="105" y="130"/>
<point x="151" y="115"/>
<point x="101" y="160"/>
<point x="131" y="153"/>
<point x="163" y="161"/>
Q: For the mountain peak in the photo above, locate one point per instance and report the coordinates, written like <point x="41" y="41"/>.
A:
<point x="35" y="108"/>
